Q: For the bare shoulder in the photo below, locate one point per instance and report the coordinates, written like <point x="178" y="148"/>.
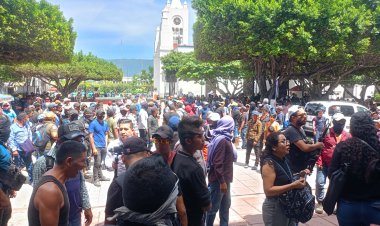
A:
<point x="49" y="195"/>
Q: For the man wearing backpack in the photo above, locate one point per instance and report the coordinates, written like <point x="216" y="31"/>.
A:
<point x="46" y="135"/>
<point x="76" y="187"/>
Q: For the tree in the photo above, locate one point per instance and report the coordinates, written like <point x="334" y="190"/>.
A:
<point x="34" y="31"/>
<point x="143" y="82"/>
<point x="66" y="77"/>
<point x="219" y="76"/>
<point x="284" y="39"/>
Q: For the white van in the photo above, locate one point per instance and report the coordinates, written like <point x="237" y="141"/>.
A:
<point x="346" y="108"/>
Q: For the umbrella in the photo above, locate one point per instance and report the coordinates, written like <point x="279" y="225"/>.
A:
<point x="6" y="98"/>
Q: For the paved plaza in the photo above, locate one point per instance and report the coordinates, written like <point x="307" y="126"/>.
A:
<point x="246" y="190"/>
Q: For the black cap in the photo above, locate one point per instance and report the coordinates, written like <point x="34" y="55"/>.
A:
<point x="70" y="131"/>
<point x="164" y="132"/>
<point x="100" y="111"/>
<point x="134" y="145"/>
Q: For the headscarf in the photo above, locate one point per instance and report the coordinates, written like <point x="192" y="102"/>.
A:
<point x="224" y="129"/>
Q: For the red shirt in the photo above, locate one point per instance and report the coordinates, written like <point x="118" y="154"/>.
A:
<point x="330" y="141"/>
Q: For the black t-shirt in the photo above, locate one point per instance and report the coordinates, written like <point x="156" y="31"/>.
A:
<point x="282" y="170"/>
<point x="193" y="183"/>
<point x="299" y="160"/>
<point x="114" y="197"/>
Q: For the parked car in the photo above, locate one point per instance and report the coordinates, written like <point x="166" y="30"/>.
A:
<point x="331" y="107"/>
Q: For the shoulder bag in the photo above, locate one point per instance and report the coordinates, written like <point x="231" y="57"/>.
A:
<point x="297" y="204"/>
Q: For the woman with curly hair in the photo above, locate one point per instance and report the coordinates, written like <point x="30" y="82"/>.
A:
<point x="359" y="202"/>
<point x="277" y="179"/>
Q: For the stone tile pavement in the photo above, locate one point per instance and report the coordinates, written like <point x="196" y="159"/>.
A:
<point x="246" y="190"/>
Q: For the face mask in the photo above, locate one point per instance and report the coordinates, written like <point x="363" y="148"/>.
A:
<point x="338" y="128"/>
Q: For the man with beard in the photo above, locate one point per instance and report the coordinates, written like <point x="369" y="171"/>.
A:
<point x="98" y="141"/>
<point x="300" y="154"/>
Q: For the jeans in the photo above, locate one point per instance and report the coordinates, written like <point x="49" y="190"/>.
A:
<point x="273" y="215"/>
<point x="27" y="160"/>
<point x="219" y="202"/>
<point x="354" y="213"/>
<point x="317" y="135"/>
<point x="320" y="182"/>
<point x="102" y="152"/>
<point x="249" y="150"/>
<point x="76" y="221"/>
<point x="243" y="135"/>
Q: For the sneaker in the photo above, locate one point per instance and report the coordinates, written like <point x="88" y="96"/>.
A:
<point x="319" y="208"/>
<point x="254" y="168"/>
<point x="97" y="183"/>
<point x="87" y="176"/>
<point x="246" y="166"/>
<point x="104" y="179"/>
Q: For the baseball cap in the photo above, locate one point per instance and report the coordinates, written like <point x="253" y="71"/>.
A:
<point x="100" y="111"/>
<point x="164" y="132"/>
<point x="213" y="116"/>
<point x="52" y="105"/>
<point x="36" y="104"/>
<point x="49" y="115"/>
<point x="40" y="117"/>
<point x="338" y="117"/>
<point x="255" y="113"/>
<point x="173" y="122"/>
<point x="134" y="145"/>
<point x="70" y="131"/>
<point x="66" y="99"/>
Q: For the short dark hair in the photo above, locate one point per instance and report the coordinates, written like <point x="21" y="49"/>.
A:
<point x="67" y="149"/>
<point x="125" y="121"/>
<point x="21" y="116"/>
<point x="187" y="126"/>
<point x="149" y="180"/>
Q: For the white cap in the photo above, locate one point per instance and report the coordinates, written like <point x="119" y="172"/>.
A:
<point x="338" y="117"/>
<point x="213" y="116"/>
<point x="66" y="99"/>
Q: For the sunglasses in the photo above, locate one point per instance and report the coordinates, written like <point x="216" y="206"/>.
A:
<point x="161" y="141"/>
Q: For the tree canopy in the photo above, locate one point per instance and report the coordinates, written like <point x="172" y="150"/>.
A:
<point x="34" y="31"/>
<point x="219" y="76"/>
<point x="67" y="76"/>
<point x="284" y="39"/>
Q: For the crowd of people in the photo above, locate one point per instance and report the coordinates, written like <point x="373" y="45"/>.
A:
<point x="173" y="158"/>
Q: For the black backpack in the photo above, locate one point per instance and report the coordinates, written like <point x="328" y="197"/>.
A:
<point x="40" y="137"/>
<point x="297" y="204"/>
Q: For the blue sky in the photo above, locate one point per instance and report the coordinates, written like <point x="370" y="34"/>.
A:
<point x="116" y="29"/>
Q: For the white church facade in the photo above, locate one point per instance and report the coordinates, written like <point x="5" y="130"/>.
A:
<point x="173" y="35"/>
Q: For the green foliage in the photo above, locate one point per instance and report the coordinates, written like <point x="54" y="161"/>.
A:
<point x="303" y="30"/>
<point x="377" y="97"/>
<point x="34" y="31"/>
<point x="141" y="83"/>
<point x="66" y="77"/>
<point x="289" y="39"/>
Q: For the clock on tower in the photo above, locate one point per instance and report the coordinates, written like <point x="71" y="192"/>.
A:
<point x="177" y="21"/>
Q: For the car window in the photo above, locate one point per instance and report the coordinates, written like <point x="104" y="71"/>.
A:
<point x="346" y="110"/>
<point x="312" y="108"/>
<point x="361" y="109"/>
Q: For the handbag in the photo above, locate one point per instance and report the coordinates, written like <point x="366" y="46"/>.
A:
<point x="337" y="181"/>
<point x="27" y="146"/>
<point x="11" y="178"/>
<point x="297" y="204"/>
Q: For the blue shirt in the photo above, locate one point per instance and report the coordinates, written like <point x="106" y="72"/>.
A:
<point x="18" y="135"/>
<point x="11" y="114"/>
<point x="99" y="131"/>
<point x="5" y="158"/>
